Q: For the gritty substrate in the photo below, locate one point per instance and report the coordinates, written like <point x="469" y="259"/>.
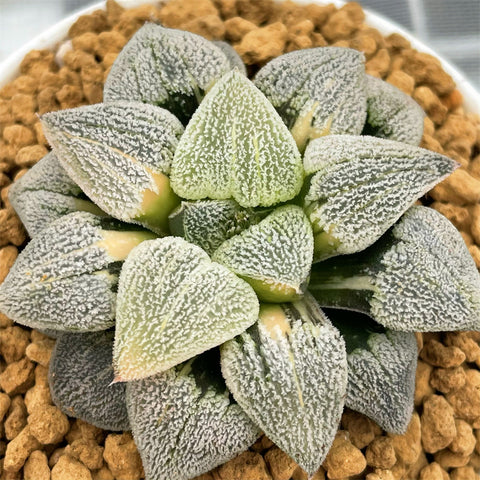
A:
<point x="443" y="440"/>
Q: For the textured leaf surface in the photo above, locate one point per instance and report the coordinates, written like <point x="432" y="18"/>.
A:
<point x="317" y="91"/>
<point x="208" y="223"/>
<point x="174" y="303"/>
<point x="65" y="278"/>
<point x="184" y="423"/>
<point x="80" y="377"/>
<point x="275" y="255"/>
<point x="236" y="146"/>
<point x="420" y="277"/>
<point x="392" y="114"/>
<point x="165" y="67"/>
<point x="46" y="193"/>
<point x="289" y="373"/>
<point x="381" y="370"/>
<point x="362" y="185"/>
<point x="119" y="154"/>
<point x="233" y="57"/>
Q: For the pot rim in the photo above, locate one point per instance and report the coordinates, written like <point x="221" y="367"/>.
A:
<point x="53" y="36"/>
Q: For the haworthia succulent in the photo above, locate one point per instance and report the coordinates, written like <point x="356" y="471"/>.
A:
<point x="381" y="370"/>
<point x="120" y="155"/>
<point x="208" y="223"/>
<point x="392" y="114"/>
<point x="362" y="185"/>
<point x="418" y="277"/>
<point x="184" y="422"/>
<point x="66" y="277"/>
<point x="233" y="57"/>
<point x="174" y="303"/>
<point x="165" y="67"/>
<point x="80" y="377"/>
<point x="236" y="146"/>
<point x="317" y="91"/>
<point x="46" y="193"/>
<point x="274" y="256"/>
<point x="289" y="373"/>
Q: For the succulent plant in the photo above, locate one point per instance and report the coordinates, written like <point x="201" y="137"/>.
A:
<point x="272" y="198"/>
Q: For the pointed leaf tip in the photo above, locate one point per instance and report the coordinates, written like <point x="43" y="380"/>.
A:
<point x="236" y="146"/>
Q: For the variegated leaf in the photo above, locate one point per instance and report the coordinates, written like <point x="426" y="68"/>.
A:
<point x="274" y="256"/>
<point x="236" y="146"/>
<point x="317" y="91"/>
<point x="289" y="373"/>
<point x="174" y="303"/>
<point x="184" y="422"/>
<point x="120" y="155"/>
<point x="362" y="185"/>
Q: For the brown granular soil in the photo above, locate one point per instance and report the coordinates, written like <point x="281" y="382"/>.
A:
<point x="38" y="442"/>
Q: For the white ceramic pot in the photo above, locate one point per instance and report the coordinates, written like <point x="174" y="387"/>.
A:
<point x="51" y="37"/>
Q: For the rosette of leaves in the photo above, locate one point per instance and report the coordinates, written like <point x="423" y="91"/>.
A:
<point x="272" y="199"/>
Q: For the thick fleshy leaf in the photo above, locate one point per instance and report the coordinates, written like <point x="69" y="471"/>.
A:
<point x="274" y="256"/>
<point x="46" y="193"/>
<point x="184" y="422"/>
<point x="165" y="67"/>
<point x="174" y="303"/>
<point x="233" y="57"/>
<point x="392" y="114"/>
<point x="208" y="223"/>
<point x="420" y="277"/>
<point x="289" y="373"/>
<point x="120" y="155"/>
<point x="381" y="370"/>
<point x="236" y="146"/>
<point x="317" y="91"/>
<point x="362" y="185"/>
<point x="81" y="376"/>
<point x="65" y="278"/>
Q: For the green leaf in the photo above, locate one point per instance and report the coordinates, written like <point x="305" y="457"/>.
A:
<point x="46" y="193"/>
<point x="236" y="146"/>
<point x="362" y="185"/>
<point x="165" y="67"/>
<point x="233" y="57"/>
<point x="183" y="421"/>
<point x="289" y="373"/>
<point x="420" y="277"/>
<point x="274" y="256"/>
<point x="317" y="91"/>
<point x="174" y="303"/>
<point x="120" y="155"/>
<point x="208" y="223"/>
<point x="66" y="277"/>
<point x="80" y="377"/>
<point x="381" y="370"/>
<point x="392" y="114"/>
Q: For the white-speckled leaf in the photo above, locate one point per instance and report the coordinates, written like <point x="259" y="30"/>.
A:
<point x="165" y="67"/>
<point x="428" y="280"/>
<point x="233" y="57"/>
<point x="274" y="256"/>
<point x="46" y="193"/>
<point x="381" y="369"/>
<point x="119" y="154"/>
<point x="289" y="373"/>
<point x="419" y="277"/>
<point x="317" y="91"/>
<point x="184" y="423"/>
<point x="208" y="223"/>
<point x="362" y="185"/>
<point x="66" y="277"/>
<point x="80" y="377"/>
<point x="174" y="303"/>
<point x="236" y="146"/>
<point x="392" y="114"/>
